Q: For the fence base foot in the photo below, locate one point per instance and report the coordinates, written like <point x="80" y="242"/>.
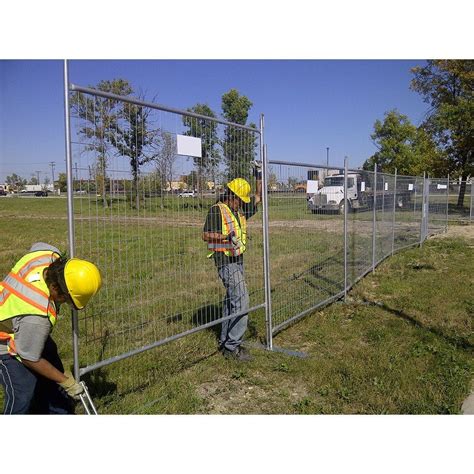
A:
<point x="257" y="345"/>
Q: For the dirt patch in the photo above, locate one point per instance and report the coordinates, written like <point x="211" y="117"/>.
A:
<point x="238" y="393"/>
<point x="457" y="231"/>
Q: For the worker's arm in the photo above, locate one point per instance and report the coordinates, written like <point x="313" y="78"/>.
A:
<point x="44" y="368"/>
<point x="257" y="172"/>
<point x="31" y="334"/>
<point x="214" y="237"/>
<point x="258" y="193"/>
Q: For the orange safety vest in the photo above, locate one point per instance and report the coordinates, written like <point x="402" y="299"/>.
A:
<point x="24" y="292"/>
<point x="230" y="224"/>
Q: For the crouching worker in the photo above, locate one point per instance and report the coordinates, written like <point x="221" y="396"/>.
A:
<point x="31" y="370"/>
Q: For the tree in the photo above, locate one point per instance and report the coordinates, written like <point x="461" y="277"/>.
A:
<point x="62" y="182"/>
<point x="448" y="85"/>
<point x="206" y="130"/>
<point x="16" y="182"/>
<point x="164" y="161"/>
<point x="100" y="117"/>
<point x="33" y="180"/>
<point x="133" y="137"/>
<point x="239" y="144"/>
<point x="401" y="146"/>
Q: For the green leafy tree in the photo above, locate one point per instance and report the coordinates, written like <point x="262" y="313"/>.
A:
<point x="206" y="130"/>
<point x="100" y="118"/>
<point x="401" y="146"/>
<point x="239" y="145"/>
<point x="15" y="182"/>
<point x="62" y="182"/>
<point x="448" y="86"/>
<point x="134" y="138"/>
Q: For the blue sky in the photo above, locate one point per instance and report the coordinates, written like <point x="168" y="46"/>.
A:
<point x="308" y="105"/>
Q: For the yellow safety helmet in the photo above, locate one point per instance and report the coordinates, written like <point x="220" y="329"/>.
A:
<point x="241" y="188"/>
<point x="82" y="280"/>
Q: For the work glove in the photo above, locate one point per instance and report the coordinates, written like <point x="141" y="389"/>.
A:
<point x="236" y="242"/>
<point x="72" y="387"/>
<point x="257" y="169"/>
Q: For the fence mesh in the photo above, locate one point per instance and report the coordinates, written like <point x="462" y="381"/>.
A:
<point x="438" y="205"/>
<point x="360" y="224"/>
<point x="306" y="244"/>
<point x="139" y="212"/>
<point x="461" y="202"/>
<point x="144" y="179"/>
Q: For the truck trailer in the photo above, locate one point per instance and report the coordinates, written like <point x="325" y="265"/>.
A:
<point x="360" y="194"/>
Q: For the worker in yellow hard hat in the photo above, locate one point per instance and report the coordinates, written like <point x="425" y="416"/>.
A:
<point x="31" y="371"/>
<point x="225" y="232"/>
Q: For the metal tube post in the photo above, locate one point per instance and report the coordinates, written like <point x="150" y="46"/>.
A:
<point x="447" y="205"/>
<point x="266" y="246"/>
<point x="70" y="212"/>
<point x="374" y="227"/>
<point x="394" y="210"/>
<point x="345" y="227"/>
<point x="470" y="209"/>
<point x="423" y="206"/>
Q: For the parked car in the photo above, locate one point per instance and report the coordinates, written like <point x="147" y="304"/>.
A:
<point x="3" y="192"/>
<point x="184" y="194"/>
<point x="41" y="193"/>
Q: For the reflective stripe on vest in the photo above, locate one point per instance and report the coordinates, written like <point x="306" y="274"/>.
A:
<point x="19" y="296"/>
<point x="28" y="293"/>
<point x="230" y="225"/>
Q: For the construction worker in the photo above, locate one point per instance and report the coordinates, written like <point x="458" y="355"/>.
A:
<point x="225" y="232"/>
<point x="31" y="370"/>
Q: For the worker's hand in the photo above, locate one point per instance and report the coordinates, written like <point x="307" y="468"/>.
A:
<point x="257" y="169"/>
<point x="236" y="242"/>
<point x="72" y="387"/>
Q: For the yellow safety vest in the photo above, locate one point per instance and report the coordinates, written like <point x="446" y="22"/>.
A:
<point x="24" y="292"/>
<point x="230" y="224"/>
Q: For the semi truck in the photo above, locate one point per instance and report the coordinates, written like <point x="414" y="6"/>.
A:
<point x="360" y="194"/>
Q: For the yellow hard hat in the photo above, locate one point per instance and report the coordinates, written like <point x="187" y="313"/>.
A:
<point x="241" y="188"/>
<point x="83" y="281"/>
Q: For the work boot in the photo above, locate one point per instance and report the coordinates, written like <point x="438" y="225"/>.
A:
<point x="239" y="354"/>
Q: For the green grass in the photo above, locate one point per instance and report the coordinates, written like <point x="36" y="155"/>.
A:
<point x="402" y="345"/>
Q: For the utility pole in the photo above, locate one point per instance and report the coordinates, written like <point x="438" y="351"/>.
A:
<point x="327" y="157"/>
<point x="38" y="176"/>
<point x="52" y="164"/>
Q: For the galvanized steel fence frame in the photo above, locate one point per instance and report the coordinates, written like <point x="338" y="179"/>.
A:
<point x="389" y="212"/>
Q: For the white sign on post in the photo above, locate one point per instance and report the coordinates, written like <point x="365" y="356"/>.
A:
<point x="312" y="186"/>
<point x="442" y="186"/>
<point x="362" y="186"/>
<point x="188" y="146"/>
<point x="410" y="186"/>
<point x="386" y="186"/>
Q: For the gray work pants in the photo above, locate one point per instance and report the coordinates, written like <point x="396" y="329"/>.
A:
<point x="236" y="300"/>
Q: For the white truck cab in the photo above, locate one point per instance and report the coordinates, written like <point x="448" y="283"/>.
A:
<point x="331" y="196"/>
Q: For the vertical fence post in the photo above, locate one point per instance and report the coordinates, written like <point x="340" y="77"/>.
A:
<point x="374" y="227"/>
<point x="266" y="246"/>
<point x="447" y="205"/>
<point x="383" y="198"/>
<point x="70" y="212"/>
<point x="394" y="210"/>
<point x="346" y="206"/>
<point x="423" y="209"/>
<point x="471" y="206"/>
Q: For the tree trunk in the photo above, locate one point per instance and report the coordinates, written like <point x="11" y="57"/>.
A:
<point x="462" y="190"/>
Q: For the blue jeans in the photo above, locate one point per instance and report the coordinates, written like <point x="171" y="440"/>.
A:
<point x="236" y="300"/>
<point x="27" y="392"/>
